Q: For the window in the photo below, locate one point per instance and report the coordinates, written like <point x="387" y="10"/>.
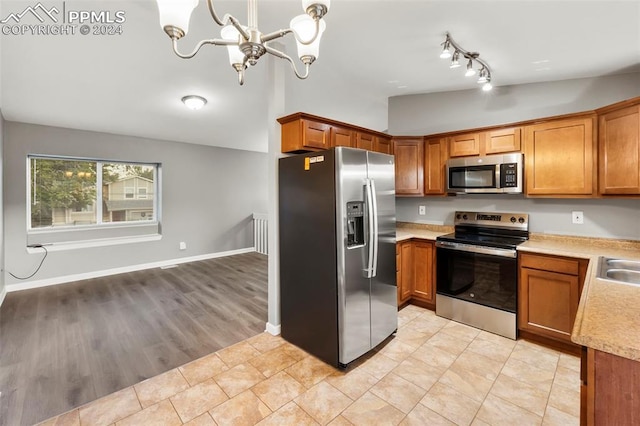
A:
<point x="67" y="192"/>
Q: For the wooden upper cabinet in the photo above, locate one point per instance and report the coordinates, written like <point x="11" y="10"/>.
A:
<point x="305" y="135"/>
<point x="619" y="151"/>
<point x="560" y="157"/>
<point x="409" y="156"/>
<point x="342" y="136"/>
<point x="365" y="141"/>
<point x="302" y="132"/>
<point x="464" y="145"/>
<point x="502" y="140"/>
<point x="435" y="162"/>
<point x="383" y="145"/>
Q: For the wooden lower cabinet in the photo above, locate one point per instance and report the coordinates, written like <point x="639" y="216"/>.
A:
<point x="405" y="277"/>
<point x="416" y="272"/>
<point x="424" y="271"/>
<point x="549" y="293"/>
<point x="610" y="390"/>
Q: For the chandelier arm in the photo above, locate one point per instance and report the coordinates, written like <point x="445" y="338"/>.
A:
<point x="215" y="41"/>
<point x="226" y="19"/>
<point x="275" y="35"/>
<point x="283" y="55"/>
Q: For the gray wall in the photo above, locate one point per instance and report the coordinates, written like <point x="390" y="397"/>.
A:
<point x="439" y="112"/>
<point x="2" y="285"/>
<point x="602" y="218"/>
<point x="466" y="109"/>
<point x="208" y="197"/>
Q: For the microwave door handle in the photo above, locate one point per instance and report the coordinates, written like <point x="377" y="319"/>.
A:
<point x="370" y="228"/>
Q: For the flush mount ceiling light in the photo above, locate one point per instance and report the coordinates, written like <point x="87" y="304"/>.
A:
<point x="246" y="44"/>
<point x="484" y="74"/>
<point x="194" y="102"/>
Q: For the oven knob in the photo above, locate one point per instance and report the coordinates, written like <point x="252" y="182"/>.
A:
<point x="465" y="217"/>
<point x="513" y="219"/>
<point x="521" y="220"/>
<point x="458" y="216"/>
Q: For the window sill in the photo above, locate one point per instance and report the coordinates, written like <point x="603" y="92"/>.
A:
<point x="74" y="245"/>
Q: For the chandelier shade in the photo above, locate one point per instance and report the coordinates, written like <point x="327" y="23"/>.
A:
<point x="245" y="43"/>
<point x="176" y="13"/>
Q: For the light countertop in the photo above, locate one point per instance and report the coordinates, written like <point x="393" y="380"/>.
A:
<point x="608" y="317"/>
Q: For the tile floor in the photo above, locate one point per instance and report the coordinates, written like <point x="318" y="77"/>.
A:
<point x="434" y="371"/>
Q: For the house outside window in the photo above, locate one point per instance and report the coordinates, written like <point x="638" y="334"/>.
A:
<point x="69" y="192"/>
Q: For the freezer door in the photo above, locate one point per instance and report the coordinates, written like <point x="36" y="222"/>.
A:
<point x="353" y="285"/>
<point x="384" y="302"/>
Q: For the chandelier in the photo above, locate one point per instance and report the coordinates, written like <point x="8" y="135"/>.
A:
<point x="246" y="44"/>
<point x="484" y="74"/>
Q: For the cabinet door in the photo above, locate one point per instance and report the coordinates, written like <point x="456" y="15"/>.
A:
<point x="464" y="145"/>
<point x="341" y="136"/>
<point x="399" y="271"/>
<point x="364" y="141"/>
<point x="383" y="145"/>
<point x="435" y="162"/>
<point x="409" y="155"/>
<point x="407" y="274"/>
<point x="502" y="140"/>
<point x="548" y="303"/>
<point x="424" y="275"/>
<point x="559" y="158"/>
<point x="619" y="151"/>
<point x="315" y="135"/>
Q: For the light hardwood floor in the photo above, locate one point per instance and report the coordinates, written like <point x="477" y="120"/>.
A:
<point x="63" y="346"/>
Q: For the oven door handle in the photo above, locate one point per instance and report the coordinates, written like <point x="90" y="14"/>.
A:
<point x="492" y="251"/>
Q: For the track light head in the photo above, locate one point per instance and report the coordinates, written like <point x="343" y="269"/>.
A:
<point x="446" y="53"/>
<point x="470" y="70"/>
<point x="455" y="62"/>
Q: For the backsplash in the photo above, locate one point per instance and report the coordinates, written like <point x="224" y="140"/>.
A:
<point x="603" y="218"/>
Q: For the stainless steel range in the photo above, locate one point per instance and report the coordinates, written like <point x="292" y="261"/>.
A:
<point x="477" y="270"/>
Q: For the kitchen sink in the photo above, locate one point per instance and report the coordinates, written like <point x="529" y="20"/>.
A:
<point x="619" y="270"/>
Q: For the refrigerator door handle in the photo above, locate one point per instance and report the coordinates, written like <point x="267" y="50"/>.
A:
<point x="372" y="225"/>
<point x="374" y="236"/>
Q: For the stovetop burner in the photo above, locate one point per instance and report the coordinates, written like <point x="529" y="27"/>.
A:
<point x="500" y="230"/>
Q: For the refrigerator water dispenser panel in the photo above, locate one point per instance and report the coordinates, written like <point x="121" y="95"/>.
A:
<point x="355" y="224"/>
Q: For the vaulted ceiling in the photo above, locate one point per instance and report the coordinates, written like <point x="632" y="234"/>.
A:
<point x="132" y="83"/>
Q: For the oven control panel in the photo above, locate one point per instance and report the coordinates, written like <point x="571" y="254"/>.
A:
<point x="493" y="219"/>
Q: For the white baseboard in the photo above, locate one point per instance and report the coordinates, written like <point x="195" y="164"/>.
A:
<point x="3" y="293"/>
<point x="273" y="329"/>
<point x="96" y="274"/>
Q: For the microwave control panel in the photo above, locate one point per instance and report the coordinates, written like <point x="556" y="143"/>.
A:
<point x="508" y="175"/>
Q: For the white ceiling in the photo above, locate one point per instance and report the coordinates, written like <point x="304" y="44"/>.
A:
<point x="132" y="84"/>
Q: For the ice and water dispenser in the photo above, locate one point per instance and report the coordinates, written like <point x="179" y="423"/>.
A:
<point x="355" y="223"/>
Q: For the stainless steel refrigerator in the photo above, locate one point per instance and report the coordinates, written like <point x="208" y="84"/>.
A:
<point x="338" y="292"/>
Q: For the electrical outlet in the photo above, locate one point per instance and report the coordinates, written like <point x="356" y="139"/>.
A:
<point x="183" y="245"/>
<point x="422" y="210"/>
<point x="577" y="217"/>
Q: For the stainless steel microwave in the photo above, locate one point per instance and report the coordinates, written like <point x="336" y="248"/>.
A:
<point x="491" y="174"/>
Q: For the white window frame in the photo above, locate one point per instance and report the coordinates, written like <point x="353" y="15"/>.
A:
<point x="141" y="196"/>
<point x="34" y="234"/>
<point x="129" y="190"/>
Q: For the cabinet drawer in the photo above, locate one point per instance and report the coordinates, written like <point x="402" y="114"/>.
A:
<point x="550" y="263"/>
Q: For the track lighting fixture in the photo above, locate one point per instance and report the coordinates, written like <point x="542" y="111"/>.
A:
<point x="484" y="74"/>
